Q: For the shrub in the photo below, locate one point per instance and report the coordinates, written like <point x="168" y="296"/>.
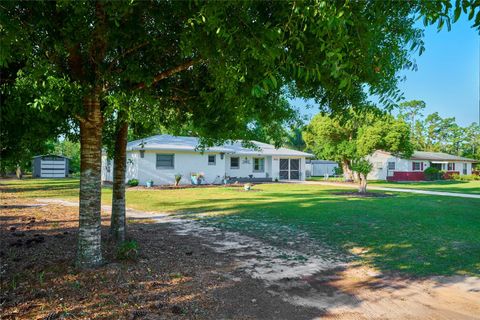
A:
<point x="127" y="250"/>
<point x="432" y="173"/>
<point x="466" y="177"/>
<point x="178" y="177"/>
<point x="133" y="182"/>
<point x="338" y="171"/>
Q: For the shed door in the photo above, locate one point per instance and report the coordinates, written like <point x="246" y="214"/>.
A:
<point x="52" y="168"/>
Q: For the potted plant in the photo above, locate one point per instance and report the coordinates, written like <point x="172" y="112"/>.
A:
<point x="200" y="178"/>
<point x="178" y="177"/>
<point x="196" y="178"/>
<point x="149" y="183"/>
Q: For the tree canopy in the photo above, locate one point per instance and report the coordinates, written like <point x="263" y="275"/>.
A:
<point x="220" y="67"/>
<point x="350" y="138"/>
<point x="434" y="133"/>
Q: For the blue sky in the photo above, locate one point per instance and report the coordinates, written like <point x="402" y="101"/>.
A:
<point x="447" y="78"/>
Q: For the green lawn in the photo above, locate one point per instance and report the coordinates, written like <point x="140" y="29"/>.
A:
<point x="472" y="187"/>
<point x="416" y="234"/>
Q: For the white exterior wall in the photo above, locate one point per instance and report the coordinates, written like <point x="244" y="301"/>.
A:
<point x="380" y="161"/>
<point x="185" y="163"/>
<point x="246" y="167"/>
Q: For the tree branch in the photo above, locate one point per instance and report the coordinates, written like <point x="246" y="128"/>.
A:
<point x="167" y="73"/>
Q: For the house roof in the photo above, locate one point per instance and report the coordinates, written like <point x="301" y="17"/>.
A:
<point x="166" y="142"/>
<point x="436" y="156"/>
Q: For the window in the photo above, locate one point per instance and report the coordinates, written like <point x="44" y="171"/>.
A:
<point x="451" y="166"/>
<point x="391" y="165"/>
<point x="258" y="164"/>
<point x="234" y="163"/>
<point x="142" y="154"/>
<point x="416" y="166"/>
<point x="165" y="161"/>
<point x="211" y="160"/>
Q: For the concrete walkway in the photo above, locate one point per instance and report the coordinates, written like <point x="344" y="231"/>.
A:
<point x="374" y="187"/>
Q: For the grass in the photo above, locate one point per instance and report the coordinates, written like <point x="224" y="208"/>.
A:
<point x="472" y="187"/>
<point x="418" y="235"/>
<point x="330" y="179"/>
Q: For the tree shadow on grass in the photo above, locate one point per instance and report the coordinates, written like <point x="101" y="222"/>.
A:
<point x="408" y="234"/>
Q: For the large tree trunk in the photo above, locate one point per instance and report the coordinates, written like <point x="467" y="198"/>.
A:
<point x="89" y="252"/>
<point x="347" y="172"/>
<point x="362" y="184"/>
<point x="118" y="219"/>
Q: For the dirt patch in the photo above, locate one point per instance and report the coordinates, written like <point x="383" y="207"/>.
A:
<point x="190" y="270"/>
<point x="175" y="277"/>
<point x="364" y="195"/>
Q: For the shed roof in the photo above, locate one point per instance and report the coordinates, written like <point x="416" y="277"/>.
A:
<point x="323" y="162"/>
<point x="50" y="155"/>
<point x="166" y="142"/>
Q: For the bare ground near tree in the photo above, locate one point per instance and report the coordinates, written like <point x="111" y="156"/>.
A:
<point x="187" y="270"/>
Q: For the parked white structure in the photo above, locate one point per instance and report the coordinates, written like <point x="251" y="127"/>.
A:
<point x="387" y="166"/>
<point x="321" y="168"/>
<point x="159" y="158"/>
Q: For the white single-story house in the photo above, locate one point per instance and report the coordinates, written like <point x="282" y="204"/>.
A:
<point x="159" y="158"/>
<point x="387" y="166"/>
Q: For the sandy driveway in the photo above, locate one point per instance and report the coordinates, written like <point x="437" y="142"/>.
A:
<point x="337" y="288"/>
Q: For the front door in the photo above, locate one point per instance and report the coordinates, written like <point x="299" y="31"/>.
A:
<point x="289" y="169"/>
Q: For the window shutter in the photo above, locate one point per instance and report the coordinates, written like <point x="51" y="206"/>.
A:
<point x="422" y="165"/>
<point x="413" y="166"/>
<point x="454" y="166"/>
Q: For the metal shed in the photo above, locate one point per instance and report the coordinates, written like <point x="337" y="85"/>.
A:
<point x="50" y="166"/>
<point x="320" y="168"/>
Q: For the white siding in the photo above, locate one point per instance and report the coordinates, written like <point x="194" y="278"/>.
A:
<point x="185" y="163"/>
<point x="246" y="167"/>
<point x="380" y="161"/>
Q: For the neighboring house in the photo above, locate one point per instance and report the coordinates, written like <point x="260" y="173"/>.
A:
<point x="320" y="168"/>
<point x="50" y="166"/>
<point x="387" y="166"/>
<point x="160" y="157"/>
